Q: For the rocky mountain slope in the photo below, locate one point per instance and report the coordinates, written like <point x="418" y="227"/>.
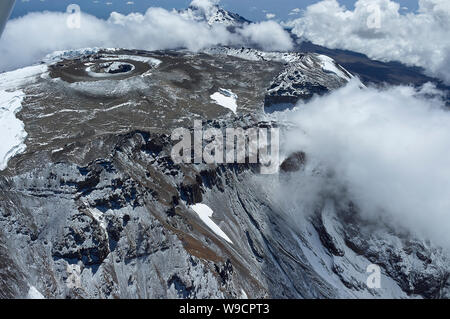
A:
<point x="94" y="206"/>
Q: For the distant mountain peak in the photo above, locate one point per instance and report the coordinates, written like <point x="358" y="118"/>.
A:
<point x="212" y="13"/>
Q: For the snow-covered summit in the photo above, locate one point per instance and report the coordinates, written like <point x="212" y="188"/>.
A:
<point x="205" y="10"/>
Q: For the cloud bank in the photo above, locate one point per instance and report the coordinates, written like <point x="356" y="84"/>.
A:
<point x="267" y="35"/>
<point x="205" y="5"/>
<point x="385" y="150"/>
<point x="30" y="38"/>
<point x="377" y="29"/>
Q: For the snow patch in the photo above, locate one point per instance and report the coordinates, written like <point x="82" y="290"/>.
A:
<point x="12" y="129"/>
<point x="417" y="38"/>
<point x="328" y="64"/>
<point x="226" y="98"/>
<point x="15" y="79"/>
<point x="109" y="69"/>
<point x="33" y="293"/>
<point x="205" y="213"/>
<point x="58" y="150"/>
<point x="256" y="55"/>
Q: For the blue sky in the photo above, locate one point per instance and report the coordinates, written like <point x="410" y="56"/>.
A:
<point x="251" y="9"/>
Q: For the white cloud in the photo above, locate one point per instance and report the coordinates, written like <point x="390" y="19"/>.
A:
<point x="270" y="15"/>
<point x="295" y="11"/>
<point x="268" y="35"/>
<point x="386" y="150"/>
<point x="30" y="38"/>
<point x="420" y="39"/>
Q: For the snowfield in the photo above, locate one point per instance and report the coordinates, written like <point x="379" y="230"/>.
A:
<point x="205" y="213"/>
<point x="150" y="61"/>
<point x="226" y="98"/>
<point x="12" y="130"/>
